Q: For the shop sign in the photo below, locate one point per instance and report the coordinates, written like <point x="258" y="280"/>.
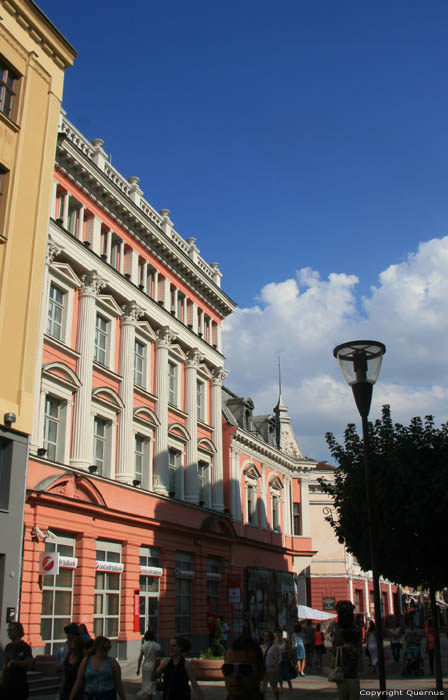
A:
<point x="234" y="595"/>
<point x="213" y="576"/>
<point x="114" y="567"/>
<point x="329" y="603"/>
<point x="151" y="571"/>
<point x="48" y="564"/>
<point x="68" y="562"/>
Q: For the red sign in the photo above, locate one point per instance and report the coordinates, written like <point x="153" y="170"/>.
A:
<point x="49" y="563"/>
<point x="136" y="611"/>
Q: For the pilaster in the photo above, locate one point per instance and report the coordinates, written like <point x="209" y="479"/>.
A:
<point x="218" y="377"/>
<point x="125" y="464"/>
<point x="194" y="359"/>
<point x="82" y="447"/>
<point x="161" y="462"/>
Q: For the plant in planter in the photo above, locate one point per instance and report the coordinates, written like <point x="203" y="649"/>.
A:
<point x="208" y="666"/>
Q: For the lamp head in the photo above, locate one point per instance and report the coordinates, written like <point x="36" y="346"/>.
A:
<point x="360" y="362"/>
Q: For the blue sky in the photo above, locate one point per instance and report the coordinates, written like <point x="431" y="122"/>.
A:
<point x="290" y="136"/>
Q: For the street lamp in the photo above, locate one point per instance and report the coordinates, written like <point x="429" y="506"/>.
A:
<point x="360" y="362"/>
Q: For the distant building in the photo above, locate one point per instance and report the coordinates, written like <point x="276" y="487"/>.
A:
<point x="335" y="573"/>
<point x="33" y="59"/>
<point x="162" y="510"/>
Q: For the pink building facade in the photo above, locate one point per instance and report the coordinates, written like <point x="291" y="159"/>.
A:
<point x="162" y="496"/>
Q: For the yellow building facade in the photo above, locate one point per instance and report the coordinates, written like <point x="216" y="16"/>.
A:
<point x="33" y="59"/>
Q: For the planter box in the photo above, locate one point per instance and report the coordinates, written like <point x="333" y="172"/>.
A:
<point x="207" y="669"/>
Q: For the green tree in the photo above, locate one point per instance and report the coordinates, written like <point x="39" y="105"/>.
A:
<point x="409" y="467"/>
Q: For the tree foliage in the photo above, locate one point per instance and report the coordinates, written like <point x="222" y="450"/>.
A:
<point x="409" y="467"/>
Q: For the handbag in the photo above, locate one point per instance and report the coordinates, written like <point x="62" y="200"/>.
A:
<point x="337" y="672"/>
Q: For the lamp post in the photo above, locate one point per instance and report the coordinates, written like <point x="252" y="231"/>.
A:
<point x="360" y="362"/>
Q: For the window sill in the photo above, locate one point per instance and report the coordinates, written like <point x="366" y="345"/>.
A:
<point x="177" y="410"/>
<point x="60" y="345"/>
<point x="105" y="370"/>
<point x="9" y="122"/>
<point x="143" y="392"/>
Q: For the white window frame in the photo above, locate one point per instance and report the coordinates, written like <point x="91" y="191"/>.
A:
<point x="206" y="486"/>
<point x="143" y="357"/>
<point x="102" y="333"/>
<point x="183" y="561"/>
<point x="66" y="396"/>
<point x="144" y="477"/>
<point x="177" y="382"/>
<point x="54" y="545"/>
<point x="299" y="516"/>
<point x="59" y="279"/>
<point x="202" y="406"/>
<point x="114" y="547"/>
<point x="110" y="416"/>
<point x="104" y="308"/>
<point x="178" y="448"/>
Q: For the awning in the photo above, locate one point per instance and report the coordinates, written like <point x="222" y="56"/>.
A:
<point x="306" y="613"/>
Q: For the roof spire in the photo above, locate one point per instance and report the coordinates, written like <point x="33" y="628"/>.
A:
<point x="279" y="378"/>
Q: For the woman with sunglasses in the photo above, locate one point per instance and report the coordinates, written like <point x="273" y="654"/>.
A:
<point x="177" y="673"/>
<point x="100" y="674"/>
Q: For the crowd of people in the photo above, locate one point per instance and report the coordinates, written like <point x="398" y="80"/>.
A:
<point x="87" y="671"/>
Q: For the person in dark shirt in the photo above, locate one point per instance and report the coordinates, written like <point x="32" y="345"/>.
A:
<point x="17" y="659"/>
<point x="349" y="688"/>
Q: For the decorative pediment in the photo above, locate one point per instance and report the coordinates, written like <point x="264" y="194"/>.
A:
<point x="72" y="486"/>
<point x="107" y="396"/>
<point x="109" y="304"/>
<point x="62" y="374"/>
<point x="275" y="483"/>
<point x="251" y="472"/>
<point x="177" y="352"/>
<point x="145" y="329"/>
<point x="143" y="413"/>
<point x="204" y="371"/>
<point x="218" y="525"/>
<point x="206" y="445"/>
<point x="179" y="431"/>
<point x="65" y="273"/>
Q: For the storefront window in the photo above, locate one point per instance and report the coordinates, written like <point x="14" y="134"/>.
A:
<point x="57" y="596"/>
<point x="184" y="590"/>
<point x="149" y="590"/>
<point x="213" y="580"/>
<point x="106" y="614"/>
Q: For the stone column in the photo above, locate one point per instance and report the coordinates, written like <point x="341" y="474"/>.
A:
<point x="161" y="462"/>
<point x="65" y="210"/>
<point x="237" y="512"/>
<point x="52" y="251"/>
<point x="156" y="285"/>
<point x="194" y="359"/>
<point x="216" y="421"/>
<point x="82" y="446"/>
<point x="287" y="505"/>
<point x="82" y="210"/>
<point x="125" y="465"/>
<point x="121" y="261"/>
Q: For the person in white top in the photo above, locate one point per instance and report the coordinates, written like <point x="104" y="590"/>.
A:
<point x="271" y="657"/>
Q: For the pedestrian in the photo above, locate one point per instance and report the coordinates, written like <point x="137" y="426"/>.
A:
<point x="177" y="673"/>
<point x="309" y="643"/>
<point x="224" y="633"/>
<point x="372" y="645"/>
<point x="319" y="646"/>
<point x="299" y="648"/>
<point x="99" y="675"/>
<point x="395" y="641"/>
<point x="71" y="631"/>
<point x="271" y="657"/>
<point x="149" y="654"/>
<point x="430" y="644"/>
<point x="71" y="666"/>
<point x="17" y="659"/>
<point x="351" y="662"/>
<point x="243" y="669"/>
<point x="285" y="669"/>
<point x="85" y="636"/>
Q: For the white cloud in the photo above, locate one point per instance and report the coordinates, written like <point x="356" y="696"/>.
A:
<point x="302" y="319"/>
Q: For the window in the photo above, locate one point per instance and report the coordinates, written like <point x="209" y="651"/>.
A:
<point x="275" y="507"/>
<point x="174" y="463"/>
<point x="4" y="176"/>
<point x="213" y="579"/>
<point x="106" y="614"/>
<point x="101" y="444"/>
<point x="54" y="428"/>
<point x="139" y="364"/>
<point x="149" y="591"/>
<point x="57" y="597"/>
<point x="252" y="504"/>
<point x="101" y="340"/>
<point x="115" y="252"/>
<point x="55" y="321"/>
<point x="172" y="383"/>
<point x="8" y="89"/>
<point x="141" y="458"/>
<point x="202" y="482"/>
<point x="74" y="208"/>
<point x="184" y="592"/>
<point x="297" y="519"/>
